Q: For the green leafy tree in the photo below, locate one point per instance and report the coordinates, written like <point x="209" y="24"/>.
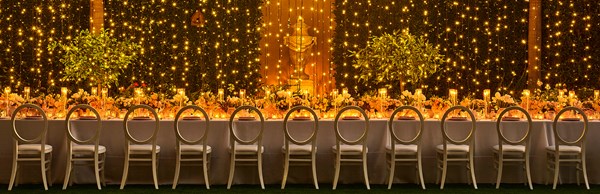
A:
<point x="396" y="58"/>
<point x="96" y="58"/>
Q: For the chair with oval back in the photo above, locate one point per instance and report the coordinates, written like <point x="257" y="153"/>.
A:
<point x="456" y="151"/>
<point x="512" y="151"/>
<point x="31" y="150"/>
<point x="141" y="150"/>
<point x="565" y="151"/>
<point x="245" y="150"/>
<point x="84" y="152"/>
<point x="192" y="150"/>
<point x="350" y="151"/>
<point x="408" y="150"/>
<point x="299" y="151"/>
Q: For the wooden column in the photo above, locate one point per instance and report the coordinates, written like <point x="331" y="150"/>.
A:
<point x="96" y="15"/>
<point x="534" y="44"/>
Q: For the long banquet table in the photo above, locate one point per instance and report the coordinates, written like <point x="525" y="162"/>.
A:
<point x="112" y="136"/>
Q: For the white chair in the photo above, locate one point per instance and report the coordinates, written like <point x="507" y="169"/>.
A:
<point x="456" y="151"/>
<point x="85" y="152"/>
<point x="246" y="151"/>
<point x="569" y="152"/>
<point x="300" y="150"/>
<point x="141" y="150"/>
<point x="31" y="150"/>
<point x="348" y="151"/>
<point x="511" y="151"/>
<point x="192" y="150"/>
<point x="405" y="151"/>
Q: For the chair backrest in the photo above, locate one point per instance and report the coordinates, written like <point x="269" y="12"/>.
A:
<point x="180" y="137"/>
<point x="151" y="139"/>
<point x="340" y="138"/>
<point x="94" y="139"/>
<point x="394" y="137"/>
<point x="466" y="140"/>
<point x="312" y="138"/>
<point x="234" y="136"/>
<point x="503" y="139"/>
<point x="15" y="133"/>
<point x="559" y="140"/>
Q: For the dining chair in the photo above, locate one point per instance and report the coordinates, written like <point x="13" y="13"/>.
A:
<point x="405" y="151"/>
<point x="456" y="151"/>
<point x="192" y="151"/>
<point x="86" y="151"/>
<point x="350" y="151"/>
<point x="300" y="151"/>
<point x="568" y="152"/>
<point x="31" y="150"/>
<point x="245" y="151"/>
<point x="511" y="151"/>
<point x="137" y="150"/>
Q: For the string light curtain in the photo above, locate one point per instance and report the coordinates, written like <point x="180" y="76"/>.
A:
<point x="484" y="41"/>
<point x="571" y="40"/>
<point x="224" y="53"/>
<point x="26" y="29"/>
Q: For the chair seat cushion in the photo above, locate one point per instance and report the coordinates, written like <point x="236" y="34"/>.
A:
<point x="510" y="148"/>
<point x="402" y="149"/>
<point x="143" y="149"/>
<point x="564" y="148"/>
<point x="87" y="149"/>
<point x="299" y="149"/>
<point x="452" y="148"/>
<point x="34" y="148"/>
<point x="247" y="149"/>
<point x="195" y="149"/>
<point x="350" y="149"/>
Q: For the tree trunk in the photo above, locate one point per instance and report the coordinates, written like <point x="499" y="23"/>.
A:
<point x="401" y="79"/>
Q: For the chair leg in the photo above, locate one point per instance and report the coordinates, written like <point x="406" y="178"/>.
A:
<point x="260" y="170"/>
<point x="97" y="172"/>
<point x="68" y="172"/>
<point x="154" y="170"/>
<point x="231" y="169"/>
<point x="365" y="172"/>
<point x="337" y="166"/>
<point x="584" y="168"/>
<point x="420" y="168"/>
<point x="444" y="169"/>
<point x="392" y="168"/>
<point x="43" y="168"/>
<point x="472" y="168"/>
<point x="13" y="174"/>
<point x="48" y="171"/>
<point x="125" y="171"/>
<point x="528" y="171"/>
<point x="177" y="168"/>
<point x="499" y="170"/>
<point x="556" y="169"/>
<point x="103" y="170"/>
<point x="314" y="170"/>
<point x="286" y="167"/>
<point x="577" y="168"/>
<point x="205" y="170"/>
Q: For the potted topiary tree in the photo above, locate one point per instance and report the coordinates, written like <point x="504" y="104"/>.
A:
<point x="96" y="58"/>
<point x="397" y="58"/>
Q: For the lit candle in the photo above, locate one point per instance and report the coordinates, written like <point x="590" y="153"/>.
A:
<point x="383" y="92"/>
<point x="63" y="92"/>
<point x="596" y="94"/>
<point x="267" y="93"/>
<point x="104" y="92"/>
<point x="221" y="93"/>
<point x="243" y="94"/>
<point x="7" y="92"/>
<point x="453" y="96"/>
<point x="486" y="100"/>
<point x="94" y="91"/>
<point x="561" y="93"/>
<point x="526" y="94"/>
<point x="571" y="94"/>
<point x="418" y="93"/>
<point x="26" y="90"/>
<point x="344" y="91"/>
<point x="334" y="93"/>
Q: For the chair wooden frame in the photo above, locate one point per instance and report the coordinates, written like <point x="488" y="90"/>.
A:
<point x="514" y="157"/>
<point x="132" y="140"/>
<point x="181" y="140"/>
<point x="96" y="158"/>
<point x="234" y="140"/>
<point x="554" y="156"/>
<point x="44" y="158"/>
<point x="300" y="157"/>
<point x="416" y="140"/>
<point x="442" y="155"/>
<point x="339" y="140"/>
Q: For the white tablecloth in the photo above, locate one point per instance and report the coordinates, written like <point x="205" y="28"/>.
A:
<point x="112" y="137"/>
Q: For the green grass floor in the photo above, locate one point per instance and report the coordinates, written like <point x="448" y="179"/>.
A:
<point x="306" y="189"/>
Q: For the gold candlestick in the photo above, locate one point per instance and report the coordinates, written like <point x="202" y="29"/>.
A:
<point x="526" y="94"/>
<point x="453" y="93"/>
<point x="26" y="91"/>
<point x="486" y="101"/>
<point x="7" y="92"/>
